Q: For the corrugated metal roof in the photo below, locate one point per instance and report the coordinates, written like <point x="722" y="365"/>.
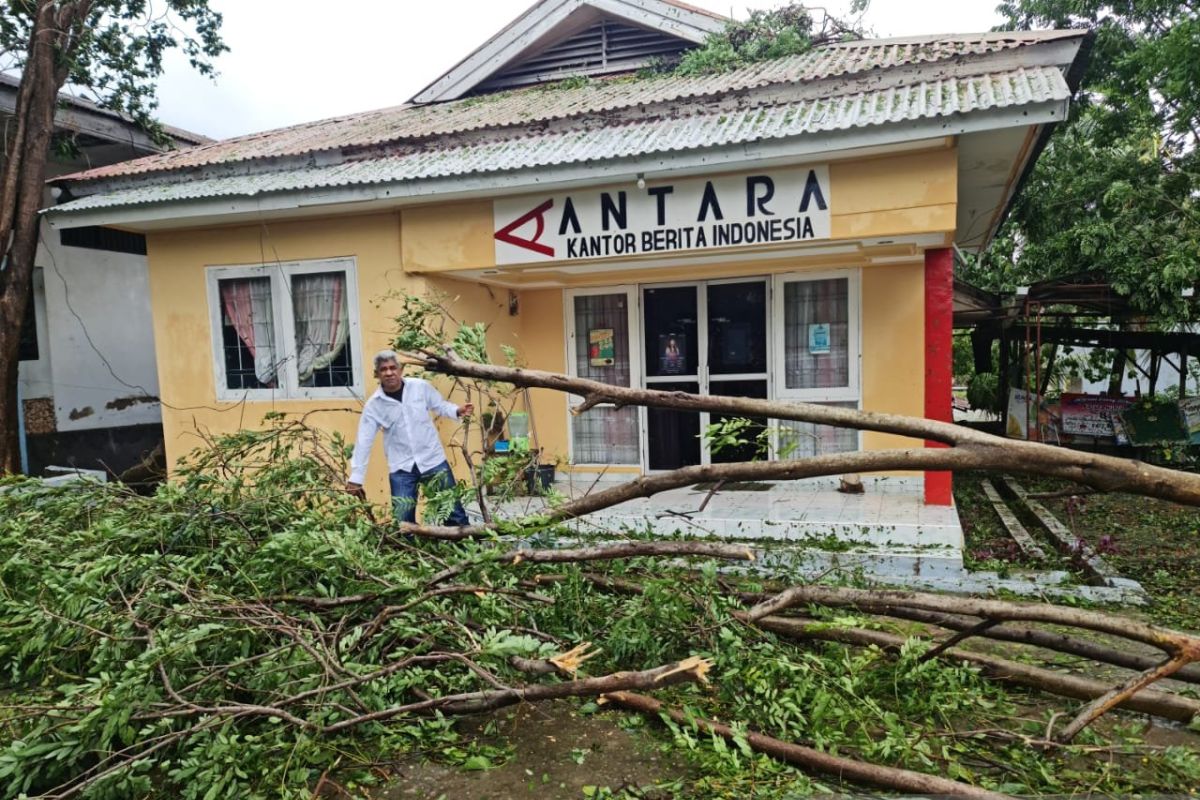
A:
<point x="181" y="137"/>
<point x="703" y="128"/>
<point x="528" y="107"/>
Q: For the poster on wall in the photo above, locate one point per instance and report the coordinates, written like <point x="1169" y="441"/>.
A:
<point x="672" y="353"/>
<point x="1093" y="415"/>
<point x="1189" y="409"/>
<point x="1019" y="403"/>
<point x="602" y="351"/>
<point x="818" y="339"/>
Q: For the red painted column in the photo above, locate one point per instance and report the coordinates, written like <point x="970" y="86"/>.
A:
<point x="939" y="358"/>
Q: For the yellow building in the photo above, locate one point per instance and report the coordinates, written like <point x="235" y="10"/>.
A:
<point x="785" y="230"/>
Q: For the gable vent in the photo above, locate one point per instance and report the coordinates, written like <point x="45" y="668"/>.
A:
<point x="603" y="49"/>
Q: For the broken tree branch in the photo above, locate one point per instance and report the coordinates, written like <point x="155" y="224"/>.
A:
<point x="1183" y="649"/>
<point x="1050" y="640"/>
<point x="880" y="601"/>
<point x="807" y="758"/>
<point x="690" y="669"/>
<point x="1119" y="694"/>
<point x="606" y="552"/>
<point x="1159" y="704"/>
<point x="1105" y="473"/>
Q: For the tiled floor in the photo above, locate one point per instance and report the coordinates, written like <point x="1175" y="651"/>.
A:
<point x="887" y="526"/>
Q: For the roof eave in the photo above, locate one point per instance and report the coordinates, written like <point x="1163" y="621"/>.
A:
<point x="359" y="197"/>
<point x="1074" y="76"/>
<point x="76" y="115"/>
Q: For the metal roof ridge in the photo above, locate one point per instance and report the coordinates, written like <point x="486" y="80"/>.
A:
<point x="938" y="98"/>
<point x="1039" y="35"/>
<point x="597" y="98"/>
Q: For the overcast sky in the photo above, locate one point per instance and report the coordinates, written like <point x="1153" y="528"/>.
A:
<point x="294" y="61"/>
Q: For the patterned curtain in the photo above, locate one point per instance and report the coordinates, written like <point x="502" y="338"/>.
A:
<point x="322" y="320"/>
<point x="247" y="303"/>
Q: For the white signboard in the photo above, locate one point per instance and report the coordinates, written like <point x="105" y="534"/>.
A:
<point x="768" y="207"/>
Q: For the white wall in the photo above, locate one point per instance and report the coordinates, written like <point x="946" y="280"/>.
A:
<point x="97" y="307"/>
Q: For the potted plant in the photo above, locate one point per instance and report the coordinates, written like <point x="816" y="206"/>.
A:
<point x="539" y="477"/>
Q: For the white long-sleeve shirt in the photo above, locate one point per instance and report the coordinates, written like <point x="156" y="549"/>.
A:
<point x="409" y="437"/>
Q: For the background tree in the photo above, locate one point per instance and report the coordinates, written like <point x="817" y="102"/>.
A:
<point x="110" y="49"/>
<point x="1114" y="193"/>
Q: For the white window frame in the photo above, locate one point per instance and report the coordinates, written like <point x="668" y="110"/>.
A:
<point x="280" y="274"/>
<point x="853" y="390"/>
<point x="633" y="310"/>
<point x="852" y="393"/>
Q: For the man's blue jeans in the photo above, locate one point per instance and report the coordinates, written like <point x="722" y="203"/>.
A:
<point x="404" y="492"/>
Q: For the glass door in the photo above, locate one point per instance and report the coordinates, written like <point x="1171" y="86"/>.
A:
<point x="705" y="338"/>
<point x="671" y="322"/>
<point x="736" y="315"/>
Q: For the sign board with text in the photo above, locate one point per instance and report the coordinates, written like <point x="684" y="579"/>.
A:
<point x="769" y="207"/>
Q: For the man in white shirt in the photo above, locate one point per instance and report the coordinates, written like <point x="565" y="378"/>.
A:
<point x="401" y="406"/>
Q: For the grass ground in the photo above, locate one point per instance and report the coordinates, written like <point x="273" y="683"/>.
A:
<point x="556" y="752"/>
<point x="1154" y="542"/>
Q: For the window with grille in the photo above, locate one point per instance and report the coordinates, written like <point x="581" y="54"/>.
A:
<point x="27" y="349"/>
<point x="817" y="336"/>
<point x="599" y="329"/>
<point x="817" y="357"/>
<point x="287" y="330"/>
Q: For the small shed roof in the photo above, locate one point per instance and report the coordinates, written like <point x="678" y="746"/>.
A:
<point x="81" y="116"/>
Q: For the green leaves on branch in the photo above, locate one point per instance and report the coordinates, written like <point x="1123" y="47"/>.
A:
<point x="1114" y="194"/>
<point x="764" y="35"/>
<point x="114" y="49"/>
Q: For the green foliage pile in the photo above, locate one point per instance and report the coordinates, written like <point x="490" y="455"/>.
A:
<point x="762" y="36"/>
<point x="765" y="35"/>
<point x="198" y="643"/>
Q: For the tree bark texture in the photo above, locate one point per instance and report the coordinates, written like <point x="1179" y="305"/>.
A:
<point x="1050" y="640"/>
<point x="969" y="449"/>
<point x="53" y="39"/>
<point x="882" y="601"/>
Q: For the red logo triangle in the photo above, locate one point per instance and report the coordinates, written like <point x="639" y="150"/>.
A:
<point x="506" y="235"/>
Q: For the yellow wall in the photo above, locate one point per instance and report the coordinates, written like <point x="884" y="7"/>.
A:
<point x="893" y="346"/>
<point x="182" y="327"/>
<point x="542" y="345"/>
<point x="869" y="198"/>
<point x="401" y="251"/>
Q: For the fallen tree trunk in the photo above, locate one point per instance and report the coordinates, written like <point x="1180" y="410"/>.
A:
<point x="883" y="601"/>
<point x="1181" y="648"/>
<point x="1035" y="637"/>
<point x="814" y="760"/>
<point x="1050" y="640"/>
<point x="956" y="458"/>
<point x="605" y="552"/>
<point x="1159" y="704"/>
<point x="1105" y="473"/>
